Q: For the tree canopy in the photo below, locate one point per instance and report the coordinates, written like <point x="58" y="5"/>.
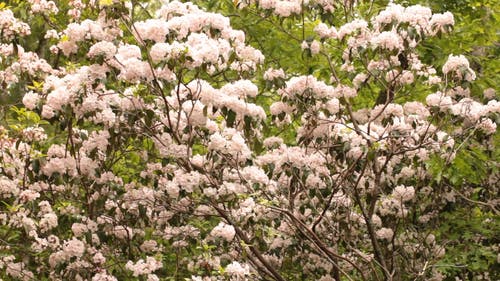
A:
<point x="249" y="140"/>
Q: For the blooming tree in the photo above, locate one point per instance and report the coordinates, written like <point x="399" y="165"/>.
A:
<point x="152" y="145"/>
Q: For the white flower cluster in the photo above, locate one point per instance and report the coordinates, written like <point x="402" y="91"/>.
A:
<point x="287" y="8"/>
<point x="10" y="26"/>
<point x="43" y="6"/>
<point x="385" y="234"/>
<point x="144" y="267"/>
<point x="100" y="30"/>
<point x="392" y="30"/>
<point x="237" y="269"/>
<point x="459" y="67"/>
<point x="272" y="74"/>
<point x="224" y="231"/>
<point x="304" y="86"/>
<point x="230" y="141"/>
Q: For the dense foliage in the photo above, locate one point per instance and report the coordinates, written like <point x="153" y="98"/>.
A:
<point x="249" y="140"/>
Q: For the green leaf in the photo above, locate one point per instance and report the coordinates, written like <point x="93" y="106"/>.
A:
<point x="230" y="118"/>
<point x="105" y="3"/>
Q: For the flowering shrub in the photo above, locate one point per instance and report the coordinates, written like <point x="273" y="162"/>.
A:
<point x="152" y="144"/>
